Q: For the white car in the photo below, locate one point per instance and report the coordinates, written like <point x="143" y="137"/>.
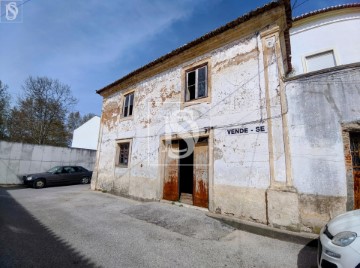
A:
<point x="339" y="242"/>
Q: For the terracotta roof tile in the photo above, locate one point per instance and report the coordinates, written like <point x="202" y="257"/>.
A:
<point x="327" y="9"/>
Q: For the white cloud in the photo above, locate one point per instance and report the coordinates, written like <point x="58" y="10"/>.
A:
<point x="68" y="39"/>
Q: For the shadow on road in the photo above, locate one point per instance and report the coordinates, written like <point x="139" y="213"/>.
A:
<point x="26" y="242"/>
<point x="307" y="255"/>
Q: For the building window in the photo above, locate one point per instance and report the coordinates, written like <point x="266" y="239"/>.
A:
<point x="320" y="61"/>
<point x="196" y="83"/>
<point x="128" y="104"/>
<point x="123" y="156"/>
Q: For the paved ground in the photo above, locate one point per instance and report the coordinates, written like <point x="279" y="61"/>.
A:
<point x="72" y="226"/>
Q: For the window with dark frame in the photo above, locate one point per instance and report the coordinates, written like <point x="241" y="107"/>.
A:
<point x="355" y="149"/>
<point x="128" y="104"/>
<point x="124" y="153"/>
<point x="196" y="83"/>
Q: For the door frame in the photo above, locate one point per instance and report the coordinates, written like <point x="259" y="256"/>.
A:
<point x="346" y="130"/>
<point x="209" y="134"/>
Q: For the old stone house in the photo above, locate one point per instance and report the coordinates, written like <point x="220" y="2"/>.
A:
<point x="218" y="123"/>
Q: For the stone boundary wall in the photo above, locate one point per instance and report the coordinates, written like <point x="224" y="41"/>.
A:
<point x="18" y="159"/>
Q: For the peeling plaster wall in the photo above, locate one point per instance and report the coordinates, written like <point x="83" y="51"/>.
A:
<point x="242" y="202"/>
<point x="318" y="106"/>
<point x="297" y="162"/>
<point x="237" y="100"/>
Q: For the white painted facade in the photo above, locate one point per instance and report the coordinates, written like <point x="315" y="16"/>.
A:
<point x="240" y="161"/>
<point x="323" y="110"/>
<point x="322" y="113"/>
<point x="337" y="31"/>
<point x="87" y="135"/>
<point x="248" y="172"/>
<point x="276" y="145"/>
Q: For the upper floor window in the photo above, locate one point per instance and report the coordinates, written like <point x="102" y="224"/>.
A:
<point x="128" y="104"/>
<point x="196" y="83"/>
<point x="320" y="61"/>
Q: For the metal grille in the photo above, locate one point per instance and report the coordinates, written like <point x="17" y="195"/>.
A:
<point x="355" y="155"/>
<point x="355" y="150"/>
<point x="124" y="153"/>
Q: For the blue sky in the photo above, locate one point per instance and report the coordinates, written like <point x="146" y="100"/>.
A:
<point x="88" y="44"/>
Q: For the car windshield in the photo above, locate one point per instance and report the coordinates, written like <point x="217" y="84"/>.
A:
<point x="54" y="169"/>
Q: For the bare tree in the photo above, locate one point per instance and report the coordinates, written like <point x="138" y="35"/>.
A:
<point x="73" y="121"/>
<point x="40" y="114"/>
<point x="86" y="118"/>
<point x="4" y="109"/>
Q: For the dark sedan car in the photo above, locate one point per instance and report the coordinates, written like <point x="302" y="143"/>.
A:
<point x="59" y="175"/>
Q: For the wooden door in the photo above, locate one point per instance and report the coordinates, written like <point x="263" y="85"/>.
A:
<point x="201" y="175"/>
<point x="356" y="188"/>
<point x="171" y="176"/>
<point x="355" y="155"/>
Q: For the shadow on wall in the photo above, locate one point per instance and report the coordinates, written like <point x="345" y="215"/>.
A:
<point x="25" y="242"/>
<point x="307" y="255"/>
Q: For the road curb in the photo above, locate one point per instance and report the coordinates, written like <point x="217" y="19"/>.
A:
<point x="260" y="229"/>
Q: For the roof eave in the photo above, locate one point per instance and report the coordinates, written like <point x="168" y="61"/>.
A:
<point x="218" y="31"/>
<point x="325" y="10"/>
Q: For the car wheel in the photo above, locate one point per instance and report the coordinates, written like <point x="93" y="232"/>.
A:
<point x="38" y="184"/>
<point x="85" y="180"/>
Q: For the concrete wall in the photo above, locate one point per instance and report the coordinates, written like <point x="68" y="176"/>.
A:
<point x="87" y="135"/>
<point x="18" y="159"/>
<point x="337" y="30"/>
<point x="320" y="108"/>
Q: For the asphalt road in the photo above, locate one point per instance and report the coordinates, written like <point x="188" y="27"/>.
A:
<point x="72" y="226"/>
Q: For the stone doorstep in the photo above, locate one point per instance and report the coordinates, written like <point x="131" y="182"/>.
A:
<point x="264" y="230"/>
<point x="186" y="198"/>
<point x="179" y="204"/>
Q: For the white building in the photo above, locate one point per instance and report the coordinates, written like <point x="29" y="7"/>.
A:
<point x="325" y="38"/>
<point x="323" y="112"/>
<point x="86" y="136"/>
<point x="216" y="98"/>
<point x="263" y="146"/>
